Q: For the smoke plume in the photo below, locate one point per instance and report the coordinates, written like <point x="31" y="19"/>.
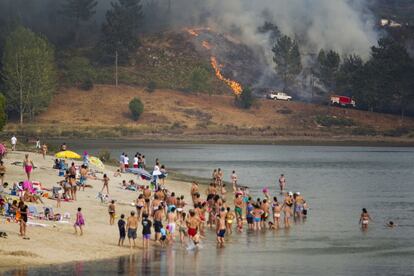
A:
<point x="345" y="26"/>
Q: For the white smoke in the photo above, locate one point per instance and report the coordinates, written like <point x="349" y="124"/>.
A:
<point x="341" y="25"/>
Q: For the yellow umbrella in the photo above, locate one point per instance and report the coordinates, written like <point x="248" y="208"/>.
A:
<point x="96" y="162"/>
<point x="67" y="154"/>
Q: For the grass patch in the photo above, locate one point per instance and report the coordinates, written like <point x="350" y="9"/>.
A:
<point x="333" y="121"/>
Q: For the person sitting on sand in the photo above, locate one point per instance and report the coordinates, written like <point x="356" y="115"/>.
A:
<point x="117" y="173"/>
<point x="132" y="226"/>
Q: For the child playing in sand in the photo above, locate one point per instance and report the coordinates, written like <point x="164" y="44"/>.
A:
<point x="80" y="222"/>
<point x="122" y="232"/>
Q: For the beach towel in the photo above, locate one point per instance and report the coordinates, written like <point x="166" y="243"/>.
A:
<point x="30" y="223"/>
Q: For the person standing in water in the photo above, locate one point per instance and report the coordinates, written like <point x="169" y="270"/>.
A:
<point x="282" y="183"/>
<point x="234" y="181"/>
<point x="28" y="166"/>
<point x="364" y="219"/>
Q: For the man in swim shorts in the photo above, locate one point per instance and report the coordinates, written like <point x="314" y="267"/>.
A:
<point x="193" y="223"/>
<point x="158" y="216"/>
<point x="132" y="226"/>
<point x="221" y="230"/>
<point x="146" y="231"/>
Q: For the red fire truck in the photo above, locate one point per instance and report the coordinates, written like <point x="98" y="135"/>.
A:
<point x="342" y="101"/>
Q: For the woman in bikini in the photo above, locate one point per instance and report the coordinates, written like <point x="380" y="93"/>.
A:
<point x="277" y="208"/>
<point x="287" y="208"/>
<point x="230" y="216"/>
<point x="364" y="219"/>
<point x="28" y="166"/>
<point x="140" y="204"/>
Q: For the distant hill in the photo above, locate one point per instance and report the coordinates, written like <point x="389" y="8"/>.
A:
<point x="103" y="112"/>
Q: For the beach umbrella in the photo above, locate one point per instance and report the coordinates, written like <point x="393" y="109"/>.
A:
<point x="67" y="154"/>
<point x="3" y="149"/>
<point x="96" y="162"/>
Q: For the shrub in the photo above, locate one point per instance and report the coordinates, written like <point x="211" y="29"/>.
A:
<point x="332" y="121"/>
<point x="3" y="115"/>
<point x="77" y="71"/>
<point x="104" y="155"/>
<point x="364" y="131"/>
<point x="199" y="80"/>
<point x="152" y="85"/>
<point x="86" y="85"/>
<point x="245" y="99"/>
<point x="136" y="107"/>
<point x="397" y="132"/>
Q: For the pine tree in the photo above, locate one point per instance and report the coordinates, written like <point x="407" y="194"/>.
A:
<point x="78" y="11"/>
<point x="287" y="59"/>
<point x="121" y="27"/>
<point x="328" y="66"/>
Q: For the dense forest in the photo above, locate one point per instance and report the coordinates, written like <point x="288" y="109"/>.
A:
<point x="47" y="44"/>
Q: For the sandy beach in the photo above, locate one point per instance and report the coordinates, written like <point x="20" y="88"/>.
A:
<point x="56" y="243"/>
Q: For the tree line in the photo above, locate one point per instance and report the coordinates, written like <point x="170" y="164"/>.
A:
<point x="29" y="69"/>
<point x="383" y="83"/>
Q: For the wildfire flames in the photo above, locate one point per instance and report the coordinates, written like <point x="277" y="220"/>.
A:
<point x="206" y="45"/>
<point x="235" y="86"/>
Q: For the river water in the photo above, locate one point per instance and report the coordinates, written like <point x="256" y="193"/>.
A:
<point x="336" y="181"/>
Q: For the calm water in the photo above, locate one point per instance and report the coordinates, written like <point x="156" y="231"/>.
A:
<point x="336" y="181"/>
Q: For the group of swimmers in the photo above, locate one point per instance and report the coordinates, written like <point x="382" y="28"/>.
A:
<point x="170" y="216"/>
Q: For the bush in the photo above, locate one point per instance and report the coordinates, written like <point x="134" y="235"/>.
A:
<point x="136" y="107"/>
<point x="332" y="121"/>
<point x="364" y="131"/>
<point x="3" y="115"/>
<point x="77" y="71"/>
<point x="87" y="85"/>
<point x="397" y="132"/>
<point x="199" y="80"/>
<point x="152" y="85"/>
<point x="245" y="99"/>
<point x="104" y="156"/>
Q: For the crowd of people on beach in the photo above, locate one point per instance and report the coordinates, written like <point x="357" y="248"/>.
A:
<point x="160" y="213"/>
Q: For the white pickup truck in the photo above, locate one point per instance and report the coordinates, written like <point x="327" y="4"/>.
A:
<point x="279" y="96"/>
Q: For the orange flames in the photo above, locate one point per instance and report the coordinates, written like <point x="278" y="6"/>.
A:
<point x="206" y="45"/>
<point x="192" y="32"/>
<point x="235" y="86"/>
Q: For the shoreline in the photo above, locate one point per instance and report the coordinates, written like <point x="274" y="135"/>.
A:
<point x="56" y="243"/>
<point x="253" y="140"/>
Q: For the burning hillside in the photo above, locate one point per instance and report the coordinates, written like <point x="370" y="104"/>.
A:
<point x="234" y="63"/>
